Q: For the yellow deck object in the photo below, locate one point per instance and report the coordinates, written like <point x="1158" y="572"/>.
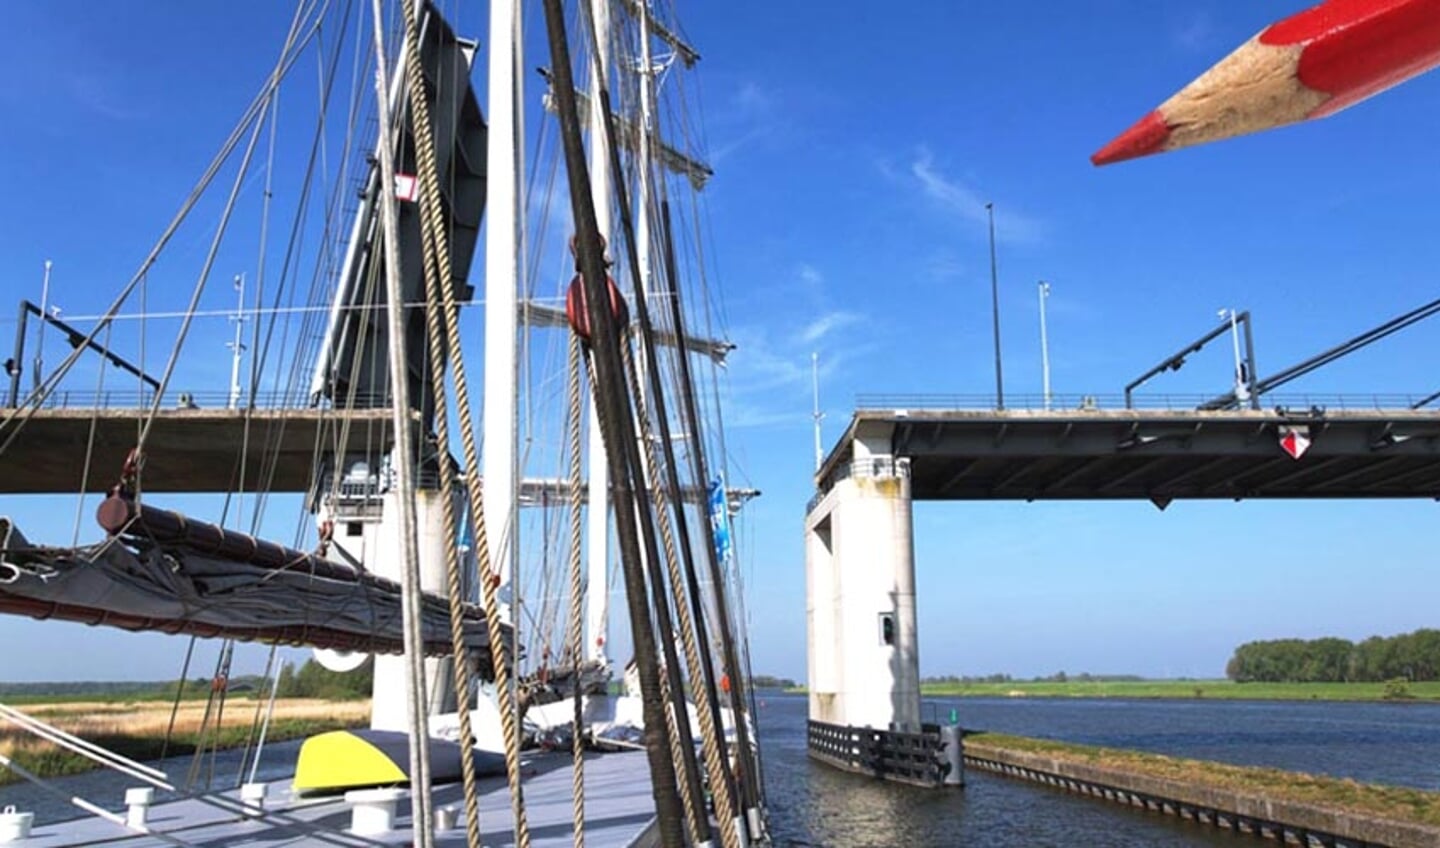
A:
<point x="342" y="760"/>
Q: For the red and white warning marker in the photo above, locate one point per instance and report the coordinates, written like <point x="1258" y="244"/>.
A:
<point x="407" y="188"/>
<point x="1295" y="441"/>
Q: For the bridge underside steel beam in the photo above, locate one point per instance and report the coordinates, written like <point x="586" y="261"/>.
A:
<point x="1153" y="455"/>
<point x="191" y="450"/>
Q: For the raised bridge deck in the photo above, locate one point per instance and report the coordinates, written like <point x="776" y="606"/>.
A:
<point x="1159" y="455"/>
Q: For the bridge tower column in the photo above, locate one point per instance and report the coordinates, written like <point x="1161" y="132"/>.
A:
<point x="864" y="669"/>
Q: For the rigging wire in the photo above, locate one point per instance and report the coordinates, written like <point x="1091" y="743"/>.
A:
<point x="17" y="417"/>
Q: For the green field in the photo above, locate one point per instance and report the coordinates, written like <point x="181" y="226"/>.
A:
<point x="1186" y="689"/>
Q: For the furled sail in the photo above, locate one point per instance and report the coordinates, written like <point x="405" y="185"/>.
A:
<point x="149" y="577"/>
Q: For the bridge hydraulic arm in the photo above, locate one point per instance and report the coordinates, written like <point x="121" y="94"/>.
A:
<point x="350" y="370"/>
<point x="74" y="337"/>
<point x="1173" y="363"/>
<point x="1275" y="381"/>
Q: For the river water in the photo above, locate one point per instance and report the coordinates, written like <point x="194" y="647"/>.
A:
<point x="811" y="804"/>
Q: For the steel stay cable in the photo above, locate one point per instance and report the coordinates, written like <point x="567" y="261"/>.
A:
<point x="37" y="398"/>
<point x="417" y="718"/>
<point x="199" y="289"/>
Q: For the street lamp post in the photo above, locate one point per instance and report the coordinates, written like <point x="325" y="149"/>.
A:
<point x="995" y="310"/>
<point x="816" y="415"/>
<point x="1044" y="345"/>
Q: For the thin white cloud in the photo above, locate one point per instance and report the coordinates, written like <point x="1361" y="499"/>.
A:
<point x="825" y="324"/>
<point x="963" y="203"/>
<point x="99" y="95"/>
<point x="750" y="114"/>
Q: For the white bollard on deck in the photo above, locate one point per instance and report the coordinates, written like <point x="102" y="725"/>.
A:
<point x="137" y="805"/>
<point x="372" y="811"/>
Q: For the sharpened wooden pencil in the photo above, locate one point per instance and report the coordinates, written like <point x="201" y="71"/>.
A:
<point x="1310" y="65"/>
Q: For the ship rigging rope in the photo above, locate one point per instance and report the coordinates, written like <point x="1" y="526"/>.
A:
<point x="436" y="254"/>
<point x="679" y="363"/>
<point x="574" y="641"/>
<point x="438" y="276"/>
<point x="90" y="445"/>
<point x="672" y="686"/>
<point x="16" y="418"/>
<point x="712" y="743"/>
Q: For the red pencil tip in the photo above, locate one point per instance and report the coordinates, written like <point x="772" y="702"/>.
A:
<point x="1147" y="136"/>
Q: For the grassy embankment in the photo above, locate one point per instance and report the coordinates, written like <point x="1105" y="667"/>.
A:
<point x="136" y="729"/>
<point x="1388" y="802"/>
<point x="1182" y="689"/>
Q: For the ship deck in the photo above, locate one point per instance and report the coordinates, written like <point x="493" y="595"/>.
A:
<point x="619" y="811"/>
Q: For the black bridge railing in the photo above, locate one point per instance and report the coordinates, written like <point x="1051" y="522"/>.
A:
<point x="916" y="758"/>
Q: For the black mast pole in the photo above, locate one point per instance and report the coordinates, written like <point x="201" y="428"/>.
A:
<point x="612" y="403"/>
<point x="729" y="655"/>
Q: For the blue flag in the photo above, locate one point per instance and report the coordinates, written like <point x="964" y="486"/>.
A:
<point x="720" y="520"/>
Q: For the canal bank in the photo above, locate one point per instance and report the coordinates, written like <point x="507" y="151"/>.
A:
<point x="1293" y="808"/>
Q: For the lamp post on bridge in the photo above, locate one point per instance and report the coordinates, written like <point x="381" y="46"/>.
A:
<point x="995" y="309"/>
<point x="1044" y="346"/>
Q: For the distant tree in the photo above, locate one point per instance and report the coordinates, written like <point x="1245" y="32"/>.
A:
<point x="313" y="680"/>
<point x="765" y="681"/>
<point x="1409" y="656"/>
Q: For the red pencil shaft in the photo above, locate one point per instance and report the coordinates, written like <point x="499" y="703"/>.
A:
<point x="1354" y="49"/>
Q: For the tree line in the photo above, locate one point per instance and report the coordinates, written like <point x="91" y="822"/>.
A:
<point x="1408" y="656"/>
<point x="313" y="680"/>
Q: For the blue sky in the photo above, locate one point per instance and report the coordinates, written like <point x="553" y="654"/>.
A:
<point x="855" y="148"/>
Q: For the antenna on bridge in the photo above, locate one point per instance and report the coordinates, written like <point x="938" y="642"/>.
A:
<point x="40" y="333"/>
<point x="816" y="414"/>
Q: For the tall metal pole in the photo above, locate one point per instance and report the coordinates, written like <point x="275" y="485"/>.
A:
<point x="817" y="414"/>
<point x="995" y="310"/>
<point x="1044" y="345"/>
<point x="237" y="347"/>
<point x="37" y="373"/>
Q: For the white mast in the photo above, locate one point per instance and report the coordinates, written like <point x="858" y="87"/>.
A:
<point x="598" y="515"/>
<point x="501" y="279"/>
<point x="237" y="346"/>
<point x="647" y="135"/>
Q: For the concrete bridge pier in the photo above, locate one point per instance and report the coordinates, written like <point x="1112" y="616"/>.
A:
<point x="864" y="669"/>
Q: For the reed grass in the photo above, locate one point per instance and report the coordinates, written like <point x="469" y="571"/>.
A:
<point x="137" y="729"/>
<point x="1396" y="803"/>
